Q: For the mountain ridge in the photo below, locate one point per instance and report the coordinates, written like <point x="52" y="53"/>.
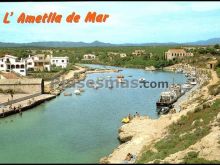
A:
<point x="96" y="43"/>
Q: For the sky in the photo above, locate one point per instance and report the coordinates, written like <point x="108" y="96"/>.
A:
<point x="129" y="22"/>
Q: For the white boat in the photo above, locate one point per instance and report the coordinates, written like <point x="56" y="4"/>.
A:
<point x="95" y="86"/>
<point x="109" y="76"/>
<point x="77" y="92"/>
<point x="121" y="80"/>
<point x="192" y="80"/>
<point x="141" y="80"/>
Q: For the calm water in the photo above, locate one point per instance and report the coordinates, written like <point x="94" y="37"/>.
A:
<point x="78" y="129"/>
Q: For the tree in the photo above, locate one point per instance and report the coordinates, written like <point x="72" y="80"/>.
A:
<point x="216" y="46"/>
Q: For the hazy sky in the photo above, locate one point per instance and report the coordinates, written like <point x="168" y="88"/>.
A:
<point x="129" y="22"/>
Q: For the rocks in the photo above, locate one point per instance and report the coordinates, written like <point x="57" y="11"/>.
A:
<point x="150" y="68"/>
<point x="218" y="116"/>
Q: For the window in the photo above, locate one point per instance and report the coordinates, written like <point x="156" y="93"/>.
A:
<point x="56" y="60"/>
<point x="22" y="66"/>
<point x="2" y="65"/>
<point x="17" y="66"/>
<point x="53" y="60"/>
<point x="21" y="70"/>
<point x="62" y="60"/>
<point x="30" y="63"/>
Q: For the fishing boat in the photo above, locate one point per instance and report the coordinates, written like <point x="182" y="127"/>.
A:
<point x="77" y="92"/>
<point x="186" y="86"/>
<point x="192" y="80"/>
<point x="167" y="98"/>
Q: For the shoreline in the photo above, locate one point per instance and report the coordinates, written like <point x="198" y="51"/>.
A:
<point x="27" y="102"/>
<point x="144" y="131"/>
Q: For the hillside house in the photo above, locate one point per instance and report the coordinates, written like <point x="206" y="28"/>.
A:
<point x="59" y="61"/>
<point x="89" y="57"/>
<point x="10" y="63"/>
<point x="138" y="52"/>
<point x="173" y="54"/>
<point x="38" y="62"/>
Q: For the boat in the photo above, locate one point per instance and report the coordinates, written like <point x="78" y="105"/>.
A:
<point x="141" y="80"/>
<point x="95" y="86"/>
<point x="100" y="78"/>
<point x="125" y="120"/>
<point x="176" y="88"/>
<point x="167" y="98"/>
<point x="179" y="70"/>
<point x="109" y="76"/>
<point x="81" y="90"/>
<point x="186" y="86"/>
<point x="67" y="94"/>
<point x="77" y="92"/>
<point x="121" y="80"/>
<point x="163" y="110"/>
<point x="130" y="76"/>
<point x="110" y="87"/>
<point x="120" y="76"/>
<point x="192" y="80"/>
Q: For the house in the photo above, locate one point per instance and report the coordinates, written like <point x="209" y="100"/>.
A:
<point x="212" y="64"/>
<point x="89" y="57"/>
<point x="138" y="52"/>
<point x="122" y="55"/>
<point x="38" y="62"/>
<point x="11" y="63"/>
<point x="28" y="86"/>
<point x="59" y="61"/>
<point x="173" y="54"/>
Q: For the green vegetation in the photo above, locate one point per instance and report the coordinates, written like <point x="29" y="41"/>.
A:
<point x="192" y="158"/>
<point x="154" y="55"/>
<point x="187" y="131"/>
<point x="214" y="89"/>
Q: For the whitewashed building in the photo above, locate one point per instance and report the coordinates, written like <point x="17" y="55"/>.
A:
<point x="59" y="61"/>
<point x="38" y="62"/>
<point x="11" y="63"/>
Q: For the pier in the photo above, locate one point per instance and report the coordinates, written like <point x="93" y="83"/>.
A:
<point x="23" y="103"/>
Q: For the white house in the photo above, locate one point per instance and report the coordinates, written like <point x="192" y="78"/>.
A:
<point x="38" y="62"/>
<point x="59" y="61"/>
<point x="11" y="63"/>
<point x="89" y="57"/>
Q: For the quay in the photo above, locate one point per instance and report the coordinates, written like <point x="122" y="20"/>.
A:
<point x="23" y="104"/>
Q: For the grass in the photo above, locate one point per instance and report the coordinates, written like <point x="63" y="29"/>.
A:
<point x="174" y="142"/>
<point x="214" y="89"/>
<point x="192" y="158"/>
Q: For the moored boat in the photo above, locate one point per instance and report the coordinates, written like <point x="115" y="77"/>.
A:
<point x="77" y="92"/>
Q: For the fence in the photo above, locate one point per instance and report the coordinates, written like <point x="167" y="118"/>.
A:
<point x="19" y="99"/>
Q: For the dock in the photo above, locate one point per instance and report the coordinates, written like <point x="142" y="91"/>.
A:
<point x="22" y="104"/>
